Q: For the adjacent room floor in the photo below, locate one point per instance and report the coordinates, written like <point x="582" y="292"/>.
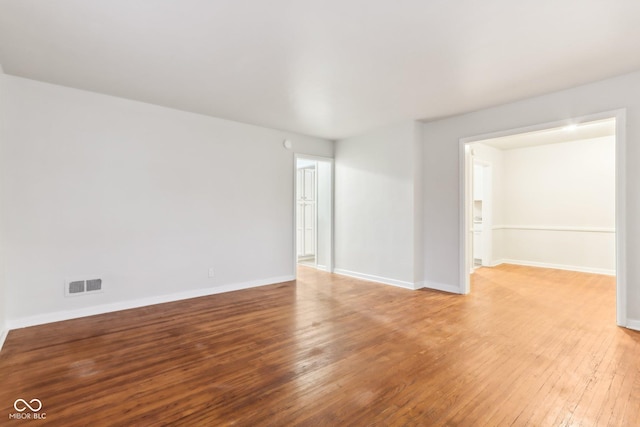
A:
<point x="527" y="346"/>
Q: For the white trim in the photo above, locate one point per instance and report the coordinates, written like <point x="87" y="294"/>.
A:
<point x="442" y="287"/>
<point x="322" y="267"/>
<point x="294" y="267"/>
<point x="377" y="279"/>
<point x="3" y="337"/>
<point x="315" y="215"/>
<point x="621" y="186"/>
<point x="465" y="249"/>
<point x="621" y="217"/>
<point x="581" y="269"/>
<point x="555" y="228"/>
<point x="58" y="316"/>
<point x="633" y="324"/>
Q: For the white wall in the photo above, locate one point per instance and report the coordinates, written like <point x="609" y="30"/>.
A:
<point x="568" y="184"/>
<point x="325" y="211"/>
<point x="146" y="197"/>
<point x="418" y="207"/>
<point x="3" y="291"/>
<point x="551" y="191"/>
<point x="374" y="205"/>
<point x="441" y="168"/>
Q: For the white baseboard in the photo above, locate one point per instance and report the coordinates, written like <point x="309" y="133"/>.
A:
<point x="442" y="287"/>
<point x="322" y="267"/>
<point x="557" y="266"/>
<point x="633" y="324"/>
<point x="377" y="279"/>
<point x="58" y="316"/>
<point x="3" y="337"/>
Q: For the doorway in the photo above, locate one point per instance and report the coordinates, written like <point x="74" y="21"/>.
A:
<point x="524" y="214"/>
<point x="313" y="219"/>
<point x="306" y="212"/>
<point x="482" y="213"/>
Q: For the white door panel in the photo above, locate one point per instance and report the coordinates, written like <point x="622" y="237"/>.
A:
<point x="306" y="212"/>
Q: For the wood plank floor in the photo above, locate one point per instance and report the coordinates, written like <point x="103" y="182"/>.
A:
<point x="527" y="347"/>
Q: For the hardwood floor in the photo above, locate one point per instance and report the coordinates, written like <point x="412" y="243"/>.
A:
<point x="527" y="347"/>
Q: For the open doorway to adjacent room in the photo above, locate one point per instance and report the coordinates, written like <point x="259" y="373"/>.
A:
<point x="548" y="197"/>
<point x="314" y="212"/>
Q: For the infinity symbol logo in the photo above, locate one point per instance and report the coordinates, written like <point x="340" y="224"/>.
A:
<point x="26" y="405"/>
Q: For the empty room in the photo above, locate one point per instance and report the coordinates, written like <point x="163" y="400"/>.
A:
<point x="266" y="213"/>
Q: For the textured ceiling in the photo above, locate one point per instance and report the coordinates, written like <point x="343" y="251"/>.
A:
<point x="326" y="68"/>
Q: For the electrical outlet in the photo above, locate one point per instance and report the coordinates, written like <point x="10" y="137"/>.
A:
<point x="212" y="273"/>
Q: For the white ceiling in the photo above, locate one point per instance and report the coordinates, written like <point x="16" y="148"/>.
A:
<point x="588" y="130"/>
<point x="321" y="67"/>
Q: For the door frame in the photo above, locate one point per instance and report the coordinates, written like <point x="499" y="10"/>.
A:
<point x="330" y="161"/>
<point x="620" y="202"/>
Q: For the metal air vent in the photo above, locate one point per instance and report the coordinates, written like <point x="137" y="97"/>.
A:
<point x="82" y="286"/>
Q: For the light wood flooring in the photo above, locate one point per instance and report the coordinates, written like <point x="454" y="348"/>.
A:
<point x="528" y="346"/>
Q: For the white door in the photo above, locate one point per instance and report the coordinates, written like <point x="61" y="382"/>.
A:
<point x="306" y="212"/>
